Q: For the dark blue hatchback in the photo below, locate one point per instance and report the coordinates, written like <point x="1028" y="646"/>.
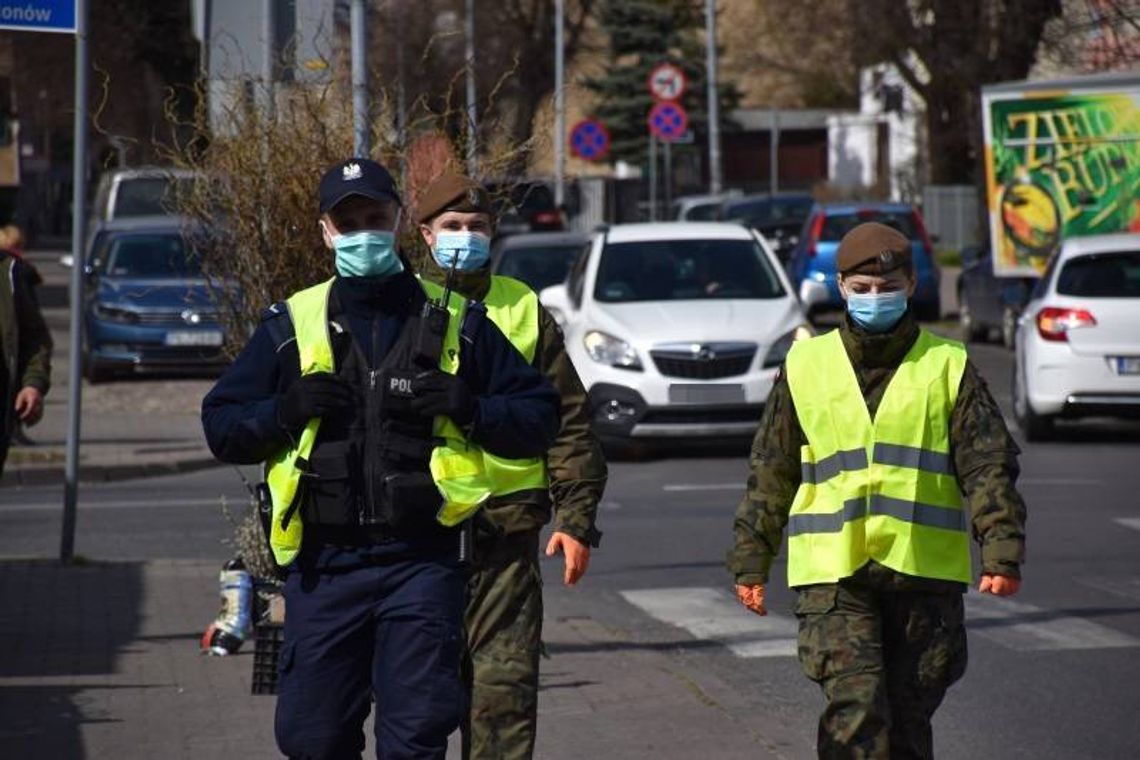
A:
<point x="148" y="309"/>
<point x="813" y="259"/>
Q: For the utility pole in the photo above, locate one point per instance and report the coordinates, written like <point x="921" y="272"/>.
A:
<point x="361" y="123"/>
<point x="472" y="122"/>
<point x="269" y="55"/>
<point x="559" y="104"/>
<point x="715" y="177"/>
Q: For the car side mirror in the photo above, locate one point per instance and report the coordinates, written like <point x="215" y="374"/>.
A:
<point x="813" y="293"/>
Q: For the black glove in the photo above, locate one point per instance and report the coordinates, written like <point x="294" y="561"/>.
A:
<point x="437" y="393"/>
<point x="312" y="396"/>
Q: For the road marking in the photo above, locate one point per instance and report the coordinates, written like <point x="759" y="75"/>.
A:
<point x="1129" y="522"/>
<point x="714" y="614"/>
<point x="1127" y="587"/>
<point x="681" y="487"/>
<point x="1024" y="627"/>
<point x="216" y="501"/>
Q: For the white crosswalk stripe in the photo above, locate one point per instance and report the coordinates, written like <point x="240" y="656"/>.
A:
<point x="1127" y="587"/>
<point x="714" y="614"/>
<point x="1129" y="522"/>
<point x="1024" y="627"/>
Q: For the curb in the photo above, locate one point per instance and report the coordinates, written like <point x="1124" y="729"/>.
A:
<point x="104" y="473"/>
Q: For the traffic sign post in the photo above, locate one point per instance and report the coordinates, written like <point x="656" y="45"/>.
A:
<point x="590" y="140"/>
<point x="668" y="121"/>
<point x="667" y="82"/>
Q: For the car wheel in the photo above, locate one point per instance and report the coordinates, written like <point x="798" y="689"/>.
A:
<point x="1035" y="427"/>
<point x="971" y="332"/>
<point x="1009" y="327"/>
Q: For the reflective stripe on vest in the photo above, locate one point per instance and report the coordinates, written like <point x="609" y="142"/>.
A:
<point x="513" y="307"/>
<point x="456" y="466"/>
<point x="882" y="489"/>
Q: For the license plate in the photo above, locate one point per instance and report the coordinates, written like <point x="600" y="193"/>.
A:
<point x="1128" y="365"/>
<point x="694" y="393"/>
<point x="194" y="338"/>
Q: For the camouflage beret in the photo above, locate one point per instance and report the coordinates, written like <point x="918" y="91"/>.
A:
<point x="453" y="192"/>
<point x="873" y="248"/>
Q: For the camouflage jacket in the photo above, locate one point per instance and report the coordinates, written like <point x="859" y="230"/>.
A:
<point x="985" y="460"/>
<point x="24" y="338"/>
<point x="575" y="463"/>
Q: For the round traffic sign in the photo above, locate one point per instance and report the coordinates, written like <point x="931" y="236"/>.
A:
<point x="667" y="82"/>
<point x="668" y="121"/>
<point x="589" y="140"/>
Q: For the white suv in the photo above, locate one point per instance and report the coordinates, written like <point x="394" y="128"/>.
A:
<point x="1078" y="340"/>
<point x="677" y="329"/>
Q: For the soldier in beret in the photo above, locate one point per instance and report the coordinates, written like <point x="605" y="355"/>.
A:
<point x="504" y="608"/>
<point x="879" y="454"/>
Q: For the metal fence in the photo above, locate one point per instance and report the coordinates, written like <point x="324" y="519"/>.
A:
<point x="951" y="214"/>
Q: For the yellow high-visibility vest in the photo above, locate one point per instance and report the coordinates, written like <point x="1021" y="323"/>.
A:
<point x="882" y="489"/>
<point x="513" y="307"/>
<point x="456" y="465"/>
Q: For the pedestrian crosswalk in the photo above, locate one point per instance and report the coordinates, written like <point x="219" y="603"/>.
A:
<point x="712" y="614"/>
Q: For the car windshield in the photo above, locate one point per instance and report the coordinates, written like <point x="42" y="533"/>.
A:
<point x="674" y="270"/>
<point x="835" y="226"/>
<point x="767" y="212"/>
<point x="1102" y="275"/>
<point x="148" y="196"/>
<point x="159" y="254"/>
<point x="539" y="266"/>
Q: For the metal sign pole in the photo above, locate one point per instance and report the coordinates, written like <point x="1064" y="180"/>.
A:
<point x="472" y="118"/>
<point x="559" y="105"/>
<point x="362" y="143"/>
<point x="78" y="224"/>
<point x="652" y="177"/>
<point x="714" y="105"/>
<point x="668" y="177"/>
<point x="774" y="153"/>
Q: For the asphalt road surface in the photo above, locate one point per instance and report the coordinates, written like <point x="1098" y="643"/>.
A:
<point x="1053" y="672"/>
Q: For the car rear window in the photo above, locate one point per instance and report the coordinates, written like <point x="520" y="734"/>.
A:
<point x="674" y="270"/>
<point x="1101" y="275"/>
<point x="835" y="226"/>
<point x="148" y="196"/>
<point x="781" y="211"/>
<point x="538" y="266"/>
<point x="149" y="255"/>
<point x="704" y="212"/>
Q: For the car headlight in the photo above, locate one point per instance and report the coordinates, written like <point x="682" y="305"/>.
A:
<point x="112" y="314"/>
<point x="607" y="349"/>
<point x="779" y="350"/>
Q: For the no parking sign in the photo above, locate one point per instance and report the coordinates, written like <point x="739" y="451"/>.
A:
<point x="668" y="121"/>
<point x="589" y="140"/>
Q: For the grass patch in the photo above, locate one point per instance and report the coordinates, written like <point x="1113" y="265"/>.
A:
<point x="948" y="257"/>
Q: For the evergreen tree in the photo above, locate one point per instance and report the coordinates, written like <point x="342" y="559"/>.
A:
<point x="643" y="34"/>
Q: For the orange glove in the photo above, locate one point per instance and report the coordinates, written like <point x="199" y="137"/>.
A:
<point x="577" y="555"/>
<point x="999" y="585"/>
<point x="752" y="597"/>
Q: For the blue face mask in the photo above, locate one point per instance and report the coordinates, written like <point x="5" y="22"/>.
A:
<point x="370" y="253"/>
<point x="472" y="249"/>
<point x="876" y="313"/>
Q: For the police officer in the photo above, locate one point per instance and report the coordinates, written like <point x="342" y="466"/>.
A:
<point x="504" y="610"/>
<point x="372" y="414"/>
<point x="879" y="452"/>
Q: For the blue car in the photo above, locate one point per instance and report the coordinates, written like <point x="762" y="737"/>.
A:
<point x="148" y="309"/>
<point x="812" y="262"/>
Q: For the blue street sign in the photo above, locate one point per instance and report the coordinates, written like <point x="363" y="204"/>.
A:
<point x="38" y="15"/>
<point x="589" y="140"/>
<point x="668" y="121"/>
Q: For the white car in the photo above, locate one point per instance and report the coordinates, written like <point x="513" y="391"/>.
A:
<point x="1078" y="339"/>
<point x="677" y="328"/>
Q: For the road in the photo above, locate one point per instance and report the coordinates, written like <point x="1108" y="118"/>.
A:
<point x="1053" y="672"/>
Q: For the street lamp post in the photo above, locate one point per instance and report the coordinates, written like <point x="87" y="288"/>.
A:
<point x="715" y="180"/>
<point x="559" y="104"/>
<point x="361" y="143"/>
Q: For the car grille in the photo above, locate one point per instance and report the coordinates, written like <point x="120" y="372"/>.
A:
<point x="704" y="361"/>
<point x="175" y="318"/>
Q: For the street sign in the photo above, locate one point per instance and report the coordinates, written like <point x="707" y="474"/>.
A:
<point x="38" y="15"/>
<point x="668" y="121"/>
<point x="667" y="82"/>
<point x="590" y="140"/>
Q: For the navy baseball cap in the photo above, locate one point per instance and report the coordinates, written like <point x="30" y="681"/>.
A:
<point x="356" y="176"/>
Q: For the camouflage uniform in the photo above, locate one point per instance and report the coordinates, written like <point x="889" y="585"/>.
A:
<point x="504" y="608"/>
<point x="25" y="343"/>
<point x="883" y="646"/>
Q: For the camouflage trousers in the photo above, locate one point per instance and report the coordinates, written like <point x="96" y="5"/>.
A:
<point x="884" y="659"/>
<point x="504" y="638"/>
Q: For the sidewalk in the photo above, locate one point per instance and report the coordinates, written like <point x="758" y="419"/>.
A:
<point x="101" y="660"/>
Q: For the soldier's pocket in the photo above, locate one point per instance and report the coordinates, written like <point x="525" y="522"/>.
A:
<point x="943" y="655"/>
<point x="816" y="636"/>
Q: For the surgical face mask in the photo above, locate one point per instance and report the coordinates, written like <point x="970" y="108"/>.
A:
<point x="877" y="312"/>
<point x="367" y="253"/>
<point x="469" y="250"/>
